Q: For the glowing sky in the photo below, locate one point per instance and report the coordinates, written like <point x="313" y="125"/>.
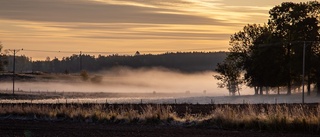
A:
<point x="125" y="26"/>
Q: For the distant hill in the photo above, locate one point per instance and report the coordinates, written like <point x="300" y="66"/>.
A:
<point x="181" y="61"/>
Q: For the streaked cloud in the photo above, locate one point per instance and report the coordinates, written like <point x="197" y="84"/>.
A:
<point x="92" y="12"/>
<point x="126" y="25"/>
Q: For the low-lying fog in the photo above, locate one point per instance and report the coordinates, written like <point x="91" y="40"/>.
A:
<point x="124" y="80"/>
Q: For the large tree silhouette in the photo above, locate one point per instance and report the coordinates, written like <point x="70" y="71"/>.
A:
<point x="271" y="55"/>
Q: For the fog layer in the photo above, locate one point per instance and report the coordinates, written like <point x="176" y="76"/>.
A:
<point x="125" y="80"/>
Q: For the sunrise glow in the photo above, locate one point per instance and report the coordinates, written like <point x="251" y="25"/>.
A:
<point x="125" y="26"/>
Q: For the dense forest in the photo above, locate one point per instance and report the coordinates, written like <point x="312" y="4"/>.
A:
<point x="180" y="61"/>
<point x="285" y="52"/>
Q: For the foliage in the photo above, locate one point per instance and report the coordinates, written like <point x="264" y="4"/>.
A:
<point x="229" y="76"/>
<point x="271" y="55"/>
<point x="294" y="22"/>
<point x="1" y="64"/>
<point x="182" y="61"/>
<point x="3" y="59"/>
<point x="84" y="75"/>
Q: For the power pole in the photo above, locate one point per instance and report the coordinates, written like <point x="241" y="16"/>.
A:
<point x="80" y="58"/>
<point x="303" y="66"/>
<point x="303" y="69"/>
<point x="14" y="67"/>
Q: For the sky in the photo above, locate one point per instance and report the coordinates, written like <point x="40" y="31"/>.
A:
<point x="44" y="27"/>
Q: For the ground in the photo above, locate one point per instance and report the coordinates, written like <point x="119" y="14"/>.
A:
<point x="20" y="127"/>
<point x="25" y="128"/>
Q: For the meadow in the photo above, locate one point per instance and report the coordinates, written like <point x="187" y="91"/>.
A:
<point x="146" y="102"/>
<point x="279" y="118"/>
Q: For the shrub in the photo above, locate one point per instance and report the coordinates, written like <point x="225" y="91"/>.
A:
<point x="84" y="75"/>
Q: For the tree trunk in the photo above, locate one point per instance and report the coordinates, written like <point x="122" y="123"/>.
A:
<point x="289" y="88"/>
<point x="318" y="83"/>
<point x="308" y="66"/>
<point x="309" y="84"/>
<point x="261" y="91"/>
<point x="256" y="90"/>
<point x="318" y="88"/>
<point x="278" y="90"/>
<point x="289" y="71"/>
<point x="233" y="93"/>
<point x="238" y="89"/>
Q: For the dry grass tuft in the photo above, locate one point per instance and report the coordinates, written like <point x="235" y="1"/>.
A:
<point x="275" y="118"/>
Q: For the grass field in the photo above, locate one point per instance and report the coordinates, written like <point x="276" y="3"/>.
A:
<point x="294" y="118"/>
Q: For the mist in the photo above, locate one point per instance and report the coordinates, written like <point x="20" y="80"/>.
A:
<point x="127" y="80"/>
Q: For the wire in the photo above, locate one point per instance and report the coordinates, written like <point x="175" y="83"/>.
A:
<point x="50" y="51"/>
<point x="97" y="52"/>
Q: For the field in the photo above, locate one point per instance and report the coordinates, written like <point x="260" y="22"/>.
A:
<point x="53" y="108"/>
<point x="103" y="119"/>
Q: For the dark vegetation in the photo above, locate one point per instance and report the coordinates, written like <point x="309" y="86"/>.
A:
<point x="3" y="60"/>
<point x="19" y="128"/>
<point x="181" y="61"/>
<point x="271" y="55"/>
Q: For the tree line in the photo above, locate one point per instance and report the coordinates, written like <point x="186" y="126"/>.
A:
<point x="272" y="55"/>
<point x="180" y="61"/>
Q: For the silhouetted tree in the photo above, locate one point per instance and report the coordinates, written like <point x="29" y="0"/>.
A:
<point x="230" y="76"/>
<point x="296" y="22"/>
<point x="186" y="62"/>
<point x="271" y="55"/>
<point x="2" y="58"/>
<point x="84" y="75"/>
<point x="242" y="53"/>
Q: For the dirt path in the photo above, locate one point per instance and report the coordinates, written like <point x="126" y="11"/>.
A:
<point x="21" y="128"/>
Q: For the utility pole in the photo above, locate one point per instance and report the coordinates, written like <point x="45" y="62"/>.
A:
<point x="14" y="67"/>
<point x="80" y="58"/>
<point x="303" y="69"/>
<point x="303" y="66"/>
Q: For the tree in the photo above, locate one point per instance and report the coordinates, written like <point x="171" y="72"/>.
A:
<point x="84" y="75"/>
<point x="242" y="50"/>
<point x="271" y="55"/>
<point x="3" y="59"/>
<point x="296" y="22"/>
<point x="137" y="53"/>
<point x="264" y="68"/>
<point x="230" y="76"/>
<point x="242" y="41"/>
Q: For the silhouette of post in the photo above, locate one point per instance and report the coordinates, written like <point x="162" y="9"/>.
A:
<point x="80" y="58"/>
<point x="303" y="69"/>
<point x="303" y="66"/>
<point x="14" y="68"/>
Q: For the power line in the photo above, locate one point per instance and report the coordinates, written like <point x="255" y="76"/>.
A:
<point x="74" y="52"/>
<point x="99" y="52"/>
<point x="52" y="51"/>
<point x="284" y="43"/>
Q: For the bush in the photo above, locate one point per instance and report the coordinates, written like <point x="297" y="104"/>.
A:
<point x="84" y="75"/>
<point x="96" y="79"/>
